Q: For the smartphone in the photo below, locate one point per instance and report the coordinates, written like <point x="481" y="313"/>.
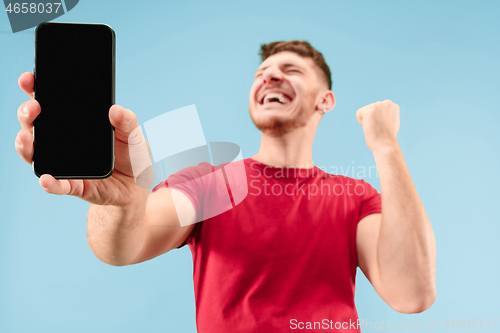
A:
<point x="75" y="87"/>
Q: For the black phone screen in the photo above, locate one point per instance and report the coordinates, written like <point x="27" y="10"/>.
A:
<point x="74" y="85"/>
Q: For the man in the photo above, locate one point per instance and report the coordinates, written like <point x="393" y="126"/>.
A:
<point x="282" y="259"/>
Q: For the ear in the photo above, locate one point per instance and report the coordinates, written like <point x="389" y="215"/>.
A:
<point x="326" y="101"/>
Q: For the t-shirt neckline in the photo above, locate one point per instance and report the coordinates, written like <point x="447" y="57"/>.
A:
<point x="286" y="172"/>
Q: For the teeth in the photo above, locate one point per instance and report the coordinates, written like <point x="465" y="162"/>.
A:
<point x="282" y="99"/>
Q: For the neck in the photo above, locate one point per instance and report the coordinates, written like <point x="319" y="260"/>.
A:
<point x="293" y="149"/>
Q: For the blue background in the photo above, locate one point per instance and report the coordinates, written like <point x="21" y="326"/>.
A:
<point x="440" y="61"/>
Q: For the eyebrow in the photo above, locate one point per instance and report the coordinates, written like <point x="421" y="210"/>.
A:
<point x="285" y="65"/>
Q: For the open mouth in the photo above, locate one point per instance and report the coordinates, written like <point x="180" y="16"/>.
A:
<point x="275" y="98"/>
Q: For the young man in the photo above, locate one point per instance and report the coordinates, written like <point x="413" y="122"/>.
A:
<point x="284" y="258"/>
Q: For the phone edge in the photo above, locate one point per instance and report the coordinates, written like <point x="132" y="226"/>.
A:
<point x="113" y="87"/>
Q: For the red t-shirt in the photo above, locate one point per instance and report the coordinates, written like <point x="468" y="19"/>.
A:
<point x="284" y="257"/>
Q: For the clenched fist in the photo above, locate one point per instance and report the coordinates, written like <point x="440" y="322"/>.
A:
<point x="380" y="123"/>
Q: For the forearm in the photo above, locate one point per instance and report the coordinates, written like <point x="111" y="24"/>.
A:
<point x="406" y="248"/>
<point x="116" y="234"/>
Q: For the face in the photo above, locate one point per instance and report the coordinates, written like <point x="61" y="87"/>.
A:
<point x="285" y="92"/>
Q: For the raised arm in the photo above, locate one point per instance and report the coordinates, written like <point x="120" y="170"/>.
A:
<point x="396" y="249"/>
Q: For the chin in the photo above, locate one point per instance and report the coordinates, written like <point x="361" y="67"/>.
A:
<point x="278" y="122"/>
<point x="274" y="125"/>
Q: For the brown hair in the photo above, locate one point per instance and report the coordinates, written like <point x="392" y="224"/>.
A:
<point x="303" y="49"/>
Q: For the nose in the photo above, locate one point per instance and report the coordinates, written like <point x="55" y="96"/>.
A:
<point x="272" y="75"/>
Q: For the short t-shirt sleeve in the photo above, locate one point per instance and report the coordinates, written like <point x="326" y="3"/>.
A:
<point x="184" y="181"/>
<point x="371" y="201"/>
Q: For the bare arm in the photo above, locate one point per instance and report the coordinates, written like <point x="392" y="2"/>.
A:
<point x="148" y="228"/>
<point x="126" y="225"/>
<point x="397" y="249"/>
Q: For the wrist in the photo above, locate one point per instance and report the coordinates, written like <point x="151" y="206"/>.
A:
<point x="390" y="147"/>
<point x="122" y="214"/>
<point x="135" y="201"/>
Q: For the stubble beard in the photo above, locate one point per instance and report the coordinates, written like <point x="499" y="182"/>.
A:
<point x="278" y="126"/>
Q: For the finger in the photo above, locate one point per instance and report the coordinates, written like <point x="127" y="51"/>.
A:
<point x="359" y="115"/>
<point x="24" y="145"/>
<point x="27" y="112"/>
<point x="61" y="186"/>
<point x="140" y="159"/>
<point x="124" y="122"/>
<point x="132" y="152"/>
<point x="26" y="82"/>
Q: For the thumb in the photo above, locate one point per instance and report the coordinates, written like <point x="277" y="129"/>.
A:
<point x="124" y="121"/>
<point x="359" y="115"/>
<point x="128" y="131"/>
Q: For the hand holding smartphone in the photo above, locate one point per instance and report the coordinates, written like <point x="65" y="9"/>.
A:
<point x="69" y="128"/>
